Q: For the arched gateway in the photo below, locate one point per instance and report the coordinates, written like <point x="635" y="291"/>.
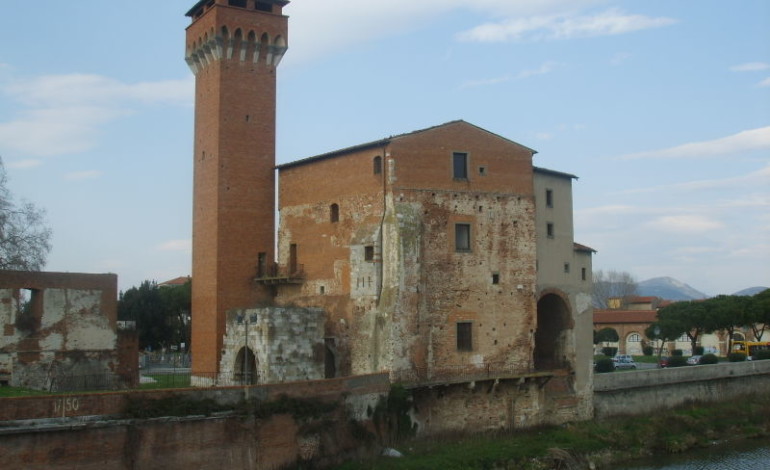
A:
<point x="553" y="321"/>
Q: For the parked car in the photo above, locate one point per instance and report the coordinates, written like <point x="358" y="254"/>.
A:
<point x="693" y="360"/>
<point x="624" y="361"/>
<point x="663" y="362"/>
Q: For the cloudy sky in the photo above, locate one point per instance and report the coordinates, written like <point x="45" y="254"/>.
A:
<point x="661" y="107"/>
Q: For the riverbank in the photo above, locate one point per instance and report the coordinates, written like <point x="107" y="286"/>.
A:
<point x="593" y="444"/>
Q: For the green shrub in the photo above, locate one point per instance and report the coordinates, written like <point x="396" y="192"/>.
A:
<point x="698" y="351"/>
<point x="709" y="359"/>
<point x="677" y="353"/>
<point x="609" y="351"/>
<point x="677" y="361"/>
<point x="605" y="364"/>
<point x="761" y="355"/>
<point x="736" y="357"/>
<point x="648" y="350"/>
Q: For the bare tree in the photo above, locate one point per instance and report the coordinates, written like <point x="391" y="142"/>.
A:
<point x="612" y="285"/>
<point x="25" y="239"/>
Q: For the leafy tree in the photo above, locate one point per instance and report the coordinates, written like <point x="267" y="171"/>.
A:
<point x="25" y="239"/>
<point x="664" y="331"/>
<point x="161" y="313"/>
<point x="606" y="335"/>
<point x="612" y="284"/>
<point x="688" y="317"/>
<point x="758" y="313"/>
<point x="726" y="313"/>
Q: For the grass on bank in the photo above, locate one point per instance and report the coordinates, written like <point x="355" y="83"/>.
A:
<point x="601" y="442"/>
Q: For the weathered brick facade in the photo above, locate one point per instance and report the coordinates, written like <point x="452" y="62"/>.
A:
<point x="64" y="335"/>
<point x="416" y="255"/>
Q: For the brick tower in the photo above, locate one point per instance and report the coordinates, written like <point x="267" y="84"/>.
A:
<point x="233" y="48"/>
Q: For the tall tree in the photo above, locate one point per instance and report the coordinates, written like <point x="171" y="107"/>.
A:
<point x="688" y="317"/>
<point x="25" y="239"/>
<point x="758" y="314"/>
<point x="144" y="305"/>
<point x="610" y="285"/>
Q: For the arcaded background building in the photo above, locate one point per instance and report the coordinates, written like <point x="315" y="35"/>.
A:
<point x="441" y="256"/>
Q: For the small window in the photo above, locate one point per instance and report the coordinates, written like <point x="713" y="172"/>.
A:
<point x="495" y="278"/>
<point x="237" y="3"/>
<point x="634" y="338"/>
<point x="549" y="229"/>
<point x="583" y="273"/>
<point x="322" y="290"/>
<point x="264" y="6"/>
<point x="549" y="197"/>
<point x="460" y="165"/>
<point x="377" y="165"/>
<point x="566" y="268"/>
<point x="482" y="171"/>
<point x="334" y="213"/>
<point x="368" y="253"/>
<point x="462" y="237"/>
<point x="465" y="336"/>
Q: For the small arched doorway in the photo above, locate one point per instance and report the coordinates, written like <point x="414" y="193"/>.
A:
<point x="553" y="320"/>
<point x="245" y="369"/>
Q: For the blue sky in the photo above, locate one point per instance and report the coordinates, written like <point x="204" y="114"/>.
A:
<point x="661" y="107"/>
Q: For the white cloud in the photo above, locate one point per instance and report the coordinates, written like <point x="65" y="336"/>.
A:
<point x="176" y="245"/>
<point x="764" y="83"/>
<point x="24" y="164"/>
<point x="757" y="179"/>
<point x="83" y="175"/>
<point x="545" y="68"/>
<point x="684" y="224"/>
<point x="63" y="114"/>
<point x="750" y="67"/>
<point x="609" y="23"/>
<point x="315" y="32"/>
<point x="753" y="139"/>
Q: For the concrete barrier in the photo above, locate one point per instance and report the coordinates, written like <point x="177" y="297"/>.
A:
<point x="647" y="391"/>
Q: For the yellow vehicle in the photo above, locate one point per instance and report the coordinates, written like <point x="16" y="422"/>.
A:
<point x="750" y="348"/>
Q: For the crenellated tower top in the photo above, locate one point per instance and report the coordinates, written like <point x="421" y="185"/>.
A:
<point x="222" y="30"/>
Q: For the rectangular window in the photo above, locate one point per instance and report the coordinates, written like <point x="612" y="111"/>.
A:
<point x="462" y="237"/>
<point x="583" y="274"/>
<point x="263" y="6"/>
<point x="495" y="278"/>
<point x="549" y="198"/>
<point x="549" y="229"/>
<point x="237" y="3"/>
<point x="566" y="268"/>
<point x="465" y="336"/>
<point x="261" y="264"/>
<point x="460" y="165"/>
<point x="368" y="253"/>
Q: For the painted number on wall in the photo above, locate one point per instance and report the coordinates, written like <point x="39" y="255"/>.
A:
<point x="62" y="406"/>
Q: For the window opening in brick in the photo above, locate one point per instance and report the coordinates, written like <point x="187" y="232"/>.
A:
<point x="330" y="362"/>
<point x="464" y="336"/>
<point x="462" y="237"/>
<point x="483" y="171"/>
<point x="460" y="165"/>
<point x="566" y="268"/>
<point x="549" y="229"/>
<point x="549" y="197"/>
<point x="292" y="259"/>
<point x="264" y="6"/>
<point x="368" y="253"/>
<point x="29" y="310"/>
<point x="377" y="165"/>
<point x="495" y="278"/>
<point x="583" y="273"/>
<point x="261" y="264"/>
<point x="334" y="213"/>
<point x="237" y="3"/>
<point x="322" y="290"/>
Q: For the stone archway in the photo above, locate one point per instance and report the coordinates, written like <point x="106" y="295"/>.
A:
<point x="553" y="320"/>
<point x="245" y="369"/>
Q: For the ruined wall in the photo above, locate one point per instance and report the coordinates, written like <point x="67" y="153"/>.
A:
<point x="273" y="344"/>
<point x="65" y="328"/>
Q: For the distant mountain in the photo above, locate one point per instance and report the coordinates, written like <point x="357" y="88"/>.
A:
<point x="668" y="288"/>
<point x="751" y="291"/>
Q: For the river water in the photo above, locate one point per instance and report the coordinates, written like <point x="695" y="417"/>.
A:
<point x="746" y="455"/>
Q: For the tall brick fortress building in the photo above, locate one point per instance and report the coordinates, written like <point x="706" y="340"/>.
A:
<point x="442" y="256"/>
<point x="234" y="48"/>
